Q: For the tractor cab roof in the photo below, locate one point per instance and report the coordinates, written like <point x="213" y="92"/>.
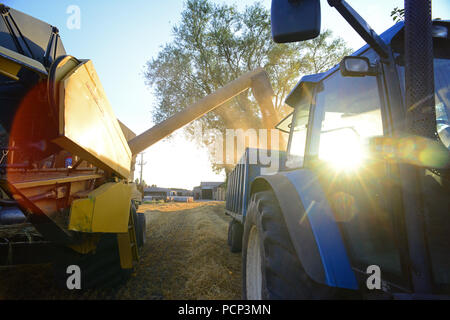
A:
<point x="310" y="80"/>
<point x="394" y="33"/>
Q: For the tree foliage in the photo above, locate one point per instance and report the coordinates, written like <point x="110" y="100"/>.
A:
<point x="398" y="14"/>
<point x="213" y="45"/>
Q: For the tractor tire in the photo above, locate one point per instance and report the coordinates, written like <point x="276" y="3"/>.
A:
<point x="235" y="232"/>
<point x="270" y="267"/>
<point x="99" y="269"/>
<point x="140" y="229"/>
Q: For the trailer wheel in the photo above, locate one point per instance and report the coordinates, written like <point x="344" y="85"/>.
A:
<point x="235" y="231"/>
<point x="229" y="233"/>
<point x="98" y="269"/>
<point x="271" y="269"/>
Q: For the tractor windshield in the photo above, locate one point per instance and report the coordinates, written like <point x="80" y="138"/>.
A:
<point x="442" y="97"/>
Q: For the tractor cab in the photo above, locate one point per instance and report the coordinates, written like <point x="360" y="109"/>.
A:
<point x="345" y="127"/>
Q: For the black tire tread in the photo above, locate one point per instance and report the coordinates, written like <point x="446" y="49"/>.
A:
<point x="229" y="233"/>
<point x="283" y="274"/>
<point x="236" y="232"/>
<point x="142" y="229"/>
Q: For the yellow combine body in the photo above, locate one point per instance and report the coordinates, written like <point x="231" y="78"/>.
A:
<point x="68" y="167"/>
<point x="87" y="124"/>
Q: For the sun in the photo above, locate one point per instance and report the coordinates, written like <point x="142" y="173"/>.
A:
<point x="342" y="149"/>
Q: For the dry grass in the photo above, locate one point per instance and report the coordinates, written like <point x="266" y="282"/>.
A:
<point x="204" y="266"/>
<point x="185" y="257"/>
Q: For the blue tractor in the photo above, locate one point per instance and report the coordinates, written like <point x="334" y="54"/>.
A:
<point x="360" y="204"/>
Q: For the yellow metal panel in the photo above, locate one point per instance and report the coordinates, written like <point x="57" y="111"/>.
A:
<point x="112" y="208"/>
<point x="67" y="65"/>
<point x="127" y="132"/>
<point x="90" y="128"/>
<point x="125" y="250"/>
<point x="81" y="213"/>
<point x="128" y="250"/>
<point x="135" y="193"/>
<point x="22" y="60"/>
<point x="106" y="209"/>
<point x="9" y="68"/>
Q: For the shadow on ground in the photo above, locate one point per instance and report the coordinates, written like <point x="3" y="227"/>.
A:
<point x="185" y="257"/>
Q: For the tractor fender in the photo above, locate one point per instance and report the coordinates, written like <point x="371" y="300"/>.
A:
<point x="312" y="228"/>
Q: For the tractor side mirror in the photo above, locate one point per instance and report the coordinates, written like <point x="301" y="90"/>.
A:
<point x="356" y="67"/>
<point x="295" y="20"/>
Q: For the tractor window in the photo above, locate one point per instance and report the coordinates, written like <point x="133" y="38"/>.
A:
<point x="298" y="133"/>
<point x="442" y="97"/>
<point x="297" y="141"/>
<point x="347" y="113"/>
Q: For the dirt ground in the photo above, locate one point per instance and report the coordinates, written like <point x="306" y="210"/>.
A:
<point x="185" y="257"/>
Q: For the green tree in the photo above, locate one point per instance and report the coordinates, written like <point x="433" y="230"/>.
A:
<point x="213" y="45"/>
<point x="398" y="14"/>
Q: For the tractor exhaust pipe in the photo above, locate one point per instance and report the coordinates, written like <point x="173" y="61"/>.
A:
<point x="420" y="121"/>
<point x="257" y="80"/>
<point x="419" y="72"/>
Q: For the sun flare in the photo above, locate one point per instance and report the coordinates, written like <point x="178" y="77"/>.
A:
<point x="342" y="149"/>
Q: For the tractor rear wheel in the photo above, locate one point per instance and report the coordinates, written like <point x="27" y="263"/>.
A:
<point x="271" y="269"/>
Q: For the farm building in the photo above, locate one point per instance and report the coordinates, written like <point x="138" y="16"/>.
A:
<point x="156" y="193"/>
<point x="182" y="192"/>
<point x="219" y="192"/>
<point x="210" y="191"/>
<point x="167" y="194"/>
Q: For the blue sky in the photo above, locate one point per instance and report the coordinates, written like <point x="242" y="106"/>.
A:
<point x="120" y="36"/>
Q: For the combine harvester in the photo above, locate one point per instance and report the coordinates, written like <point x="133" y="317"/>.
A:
<point x="67" y="164"/>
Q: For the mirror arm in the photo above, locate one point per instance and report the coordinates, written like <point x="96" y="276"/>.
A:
<point x="360" y="26"/>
